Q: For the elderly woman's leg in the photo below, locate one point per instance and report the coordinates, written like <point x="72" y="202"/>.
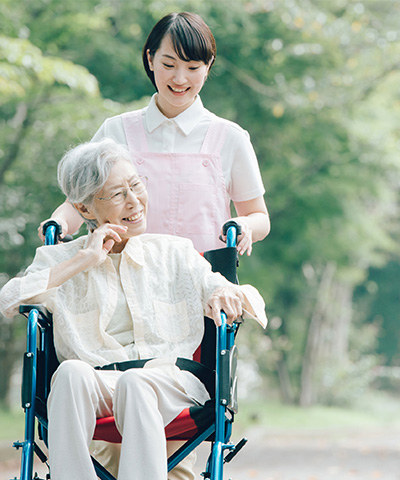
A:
<point x="78" y="394"/>
<point x="145" y="401"/>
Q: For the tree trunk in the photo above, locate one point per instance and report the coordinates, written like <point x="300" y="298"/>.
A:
<point x="284" y="381"/>
<point x="314" y="337"/>
<point x="340" y="322"/>
<point x="328" y="332"/>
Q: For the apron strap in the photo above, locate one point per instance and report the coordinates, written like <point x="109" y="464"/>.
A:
<point x="215" y="136"/>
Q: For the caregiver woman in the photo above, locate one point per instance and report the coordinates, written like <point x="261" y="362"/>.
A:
<point x="196" y="162"/>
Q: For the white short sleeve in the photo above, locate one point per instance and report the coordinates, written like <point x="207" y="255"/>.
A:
<point x="240" y="166"/>
<point x="238" y="160"/>
<point x="111" y="128"/>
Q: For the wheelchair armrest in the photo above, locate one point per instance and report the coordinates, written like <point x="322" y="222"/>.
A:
<point x="226" y="365"/>
<point x="44" y="314"/>
<point x="40" y="308"/>
<point x="40" y="359"/>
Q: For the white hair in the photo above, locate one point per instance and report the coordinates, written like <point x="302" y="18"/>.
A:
<point x="84" y="170"/>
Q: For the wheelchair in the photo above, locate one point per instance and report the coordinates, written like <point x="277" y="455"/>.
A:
<point x="214" y="362"/>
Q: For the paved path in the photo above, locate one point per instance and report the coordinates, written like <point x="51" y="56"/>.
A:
<point x="315" y="455"/>
<point x="368" y="454"/>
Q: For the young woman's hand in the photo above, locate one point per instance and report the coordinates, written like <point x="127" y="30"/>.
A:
<point x="254" y="219"/>
<point x="63" y="224"/>
<point x="244" y="240"/>
<point x="67" y="216"/>
<point x="101" y="241"/>
<point x="230" y="299"/>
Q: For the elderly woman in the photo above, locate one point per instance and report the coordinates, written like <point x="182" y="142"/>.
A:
<point x="118" y="294"/>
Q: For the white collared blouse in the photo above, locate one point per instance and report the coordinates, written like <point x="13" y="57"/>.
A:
<point x="185" y="133"/>
<point x="166" y="284"/>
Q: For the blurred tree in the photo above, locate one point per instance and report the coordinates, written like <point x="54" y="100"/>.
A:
<point x="39" y="106"/>
<point x="306" y="75"/>
<point x="310" y="81"/>
<point x="334" y="186"/>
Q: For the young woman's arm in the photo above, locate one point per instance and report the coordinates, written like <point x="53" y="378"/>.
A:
<point x="67" y="217"/>
<point x="254" y="219"/>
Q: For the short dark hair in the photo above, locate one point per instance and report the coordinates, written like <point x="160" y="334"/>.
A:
<point x="190" y="35"/>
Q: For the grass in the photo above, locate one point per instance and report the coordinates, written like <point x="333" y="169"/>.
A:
<point x="12" y="425"/>
<point x="374" y="410"/>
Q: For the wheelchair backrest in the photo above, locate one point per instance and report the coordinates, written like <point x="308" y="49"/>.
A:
<point x="224" y="261"/>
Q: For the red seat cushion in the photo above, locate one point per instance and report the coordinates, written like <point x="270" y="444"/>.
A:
<point x="183" y="427"/>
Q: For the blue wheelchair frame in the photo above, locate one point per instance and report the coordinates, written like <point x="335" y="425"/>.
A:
<point x="38" y="323"/>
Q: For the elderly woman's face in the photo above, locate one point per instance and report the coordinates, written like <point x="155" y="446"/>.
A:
<point x="117" y="203"/>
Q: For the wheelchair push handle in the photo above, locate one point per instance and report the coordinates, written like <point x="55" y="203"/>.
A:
<point x="232" y="230"/>
<point x="52" y="231"/>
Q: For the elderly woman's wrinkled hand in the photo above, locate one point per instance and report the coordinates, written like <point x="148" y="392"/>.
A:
<point x="230" y="299"/>
<point x="102" y="240"/>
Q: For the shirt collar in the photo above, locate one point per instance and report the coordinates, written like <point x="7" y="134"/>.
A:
<point x="133" y="248"/>
<point x="186" y="121"/>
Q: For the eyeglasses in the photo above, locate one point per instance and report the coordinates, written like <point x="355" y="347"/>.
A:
<point x="137" y="187"/>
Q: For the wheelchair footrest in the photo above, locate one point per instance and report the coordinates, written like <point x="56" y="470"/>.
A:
<point x="235" y="450"/>
<point x="38" y="478"/>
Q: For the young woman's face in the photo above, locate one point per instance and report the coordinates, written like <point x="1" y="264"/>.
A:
<point x="178" y="82"/>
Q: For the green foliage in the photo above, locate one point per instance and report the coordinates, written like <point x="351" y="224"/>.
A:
<point x="316" y="85"/>
<point x="377" y="302"/>
<point x="23" y="68"/>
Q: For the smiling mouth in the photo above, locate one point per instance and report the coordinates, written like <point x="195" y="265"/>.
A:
<point x="133" y="218"/>
<point x="178" y="90"/>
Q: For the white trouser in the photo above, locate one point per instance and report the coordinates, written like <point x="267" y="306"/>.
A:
<point x="80" y="394"/>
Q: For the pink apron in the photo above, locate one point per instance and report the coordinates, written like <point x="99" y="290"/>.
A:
<point x="187" y="192"/>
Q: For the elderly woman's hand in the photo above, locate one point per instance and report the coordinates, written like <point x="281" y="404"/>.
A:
<point x="230" y="299"/>
<point x="99" y="244"/>
<point x="102" y="240"/>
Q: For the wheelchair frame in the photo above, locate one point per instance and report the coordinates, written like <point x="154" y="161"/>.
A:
<point x="39" y="327"/>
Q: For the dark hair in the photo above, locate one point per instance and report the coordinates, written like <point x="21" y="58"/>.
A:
<point x="190" y="35"/>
